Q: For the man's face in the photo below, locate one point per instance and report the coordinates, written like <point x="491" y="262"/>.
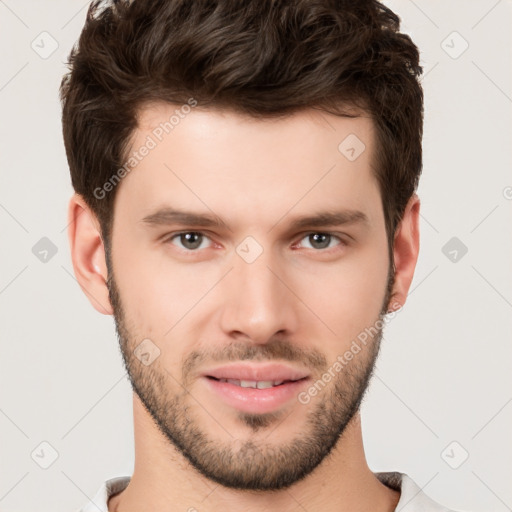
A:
<point x="256" y="299"/>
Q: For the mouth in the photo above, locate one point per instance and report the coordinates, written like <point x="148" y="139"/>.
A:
<point x="255" y="388"/>
<point x="245" y="372"/>
<point x="255" y="384"/>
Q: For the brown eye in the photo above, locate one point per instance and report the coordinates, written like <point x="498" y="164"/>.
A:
<point x="189" y="240"/>
<point x="322" y="241"/>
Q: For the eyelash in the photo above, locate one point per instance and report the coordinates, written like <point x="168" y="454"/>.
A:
<point x="342" y="243"/>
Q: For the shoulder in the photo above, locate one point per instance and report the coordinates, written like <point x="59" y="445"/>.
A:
<point x="110" y="488"/>
<point x="410" y="493"/>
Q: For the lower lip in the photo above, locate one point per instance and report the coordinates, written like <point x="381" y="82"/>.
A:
<point x="254" y="400"/>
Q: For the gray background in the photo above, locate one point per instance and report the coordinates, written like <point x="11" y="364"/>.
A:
<point x="442" y="390"/>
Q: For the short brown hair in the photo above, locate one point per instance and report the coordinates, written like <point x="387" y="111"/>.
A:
<point x="264" y="58"/>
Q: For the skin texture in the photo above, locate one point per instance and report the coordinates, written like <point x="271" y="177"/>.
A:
<point x="301" y="302"/>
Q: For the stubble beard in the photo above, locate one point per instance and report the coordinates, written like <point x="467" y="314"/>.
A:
<point x="249" y="464"/>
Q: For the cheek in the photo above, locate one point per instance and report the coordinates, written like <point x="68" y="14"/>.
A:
<point x="348" y="295"/>
<point x="160" y="294"/>
<point x="156" y="291"/>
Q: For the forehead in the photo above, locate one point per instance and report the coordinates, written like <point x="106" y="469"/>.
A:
<point x="241" y="167"/>
<point x="162" y="119"/>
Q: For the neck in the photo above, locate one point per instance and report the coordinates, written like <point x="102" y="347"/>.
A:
<point x="164" y="480"/>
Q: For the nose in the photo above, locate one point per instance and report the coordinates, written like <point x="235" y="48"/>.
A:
<point x="257" y="300"/>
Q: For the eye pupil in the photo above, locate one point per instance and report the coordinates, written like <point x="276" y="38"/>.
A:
<point x="325" y="242"/>
<point x="191" y="238"/>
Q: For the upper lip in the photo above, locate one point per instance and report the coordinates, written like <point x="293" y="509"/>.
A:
<point x="257" y="372"/>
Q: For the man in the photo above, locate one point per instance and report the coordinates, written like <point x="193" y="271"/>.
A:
<point x="245" y="207"/>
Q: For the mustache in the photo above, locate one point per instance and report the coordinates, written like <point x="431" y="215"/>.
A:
<point x="273" y="350"/>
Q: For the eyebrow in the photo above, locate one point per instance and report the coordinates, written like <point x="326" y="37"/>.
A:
<point x="165" y="216"/>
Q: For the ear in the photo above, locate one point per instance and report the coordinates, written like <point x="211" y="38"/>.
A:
<point x="88" y="254"/>
<point x="405" y="252"/>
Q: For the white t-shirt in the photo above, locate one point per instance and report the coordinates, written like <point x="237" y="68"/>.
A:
<point x="412" y="498"/>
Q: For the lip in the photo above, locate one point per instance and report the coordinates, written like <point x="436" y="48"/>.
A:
<point x="252" y="371"/>
<point x="256" y="401"/>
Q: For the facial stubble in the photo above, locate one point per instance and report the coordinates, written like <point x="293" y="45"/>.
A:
<point x="248" y="464"/>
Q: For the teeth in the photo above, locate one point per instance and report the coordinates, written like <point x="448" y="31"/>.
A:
<point x="264" y="384"/>
<point x="259" y="384"/>
<point x="248" y="383"/>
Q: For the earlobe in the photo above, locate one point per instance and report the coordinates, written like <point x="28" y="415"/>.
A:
<point x="405" y="252"/>
<point x="88" y="254"/>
